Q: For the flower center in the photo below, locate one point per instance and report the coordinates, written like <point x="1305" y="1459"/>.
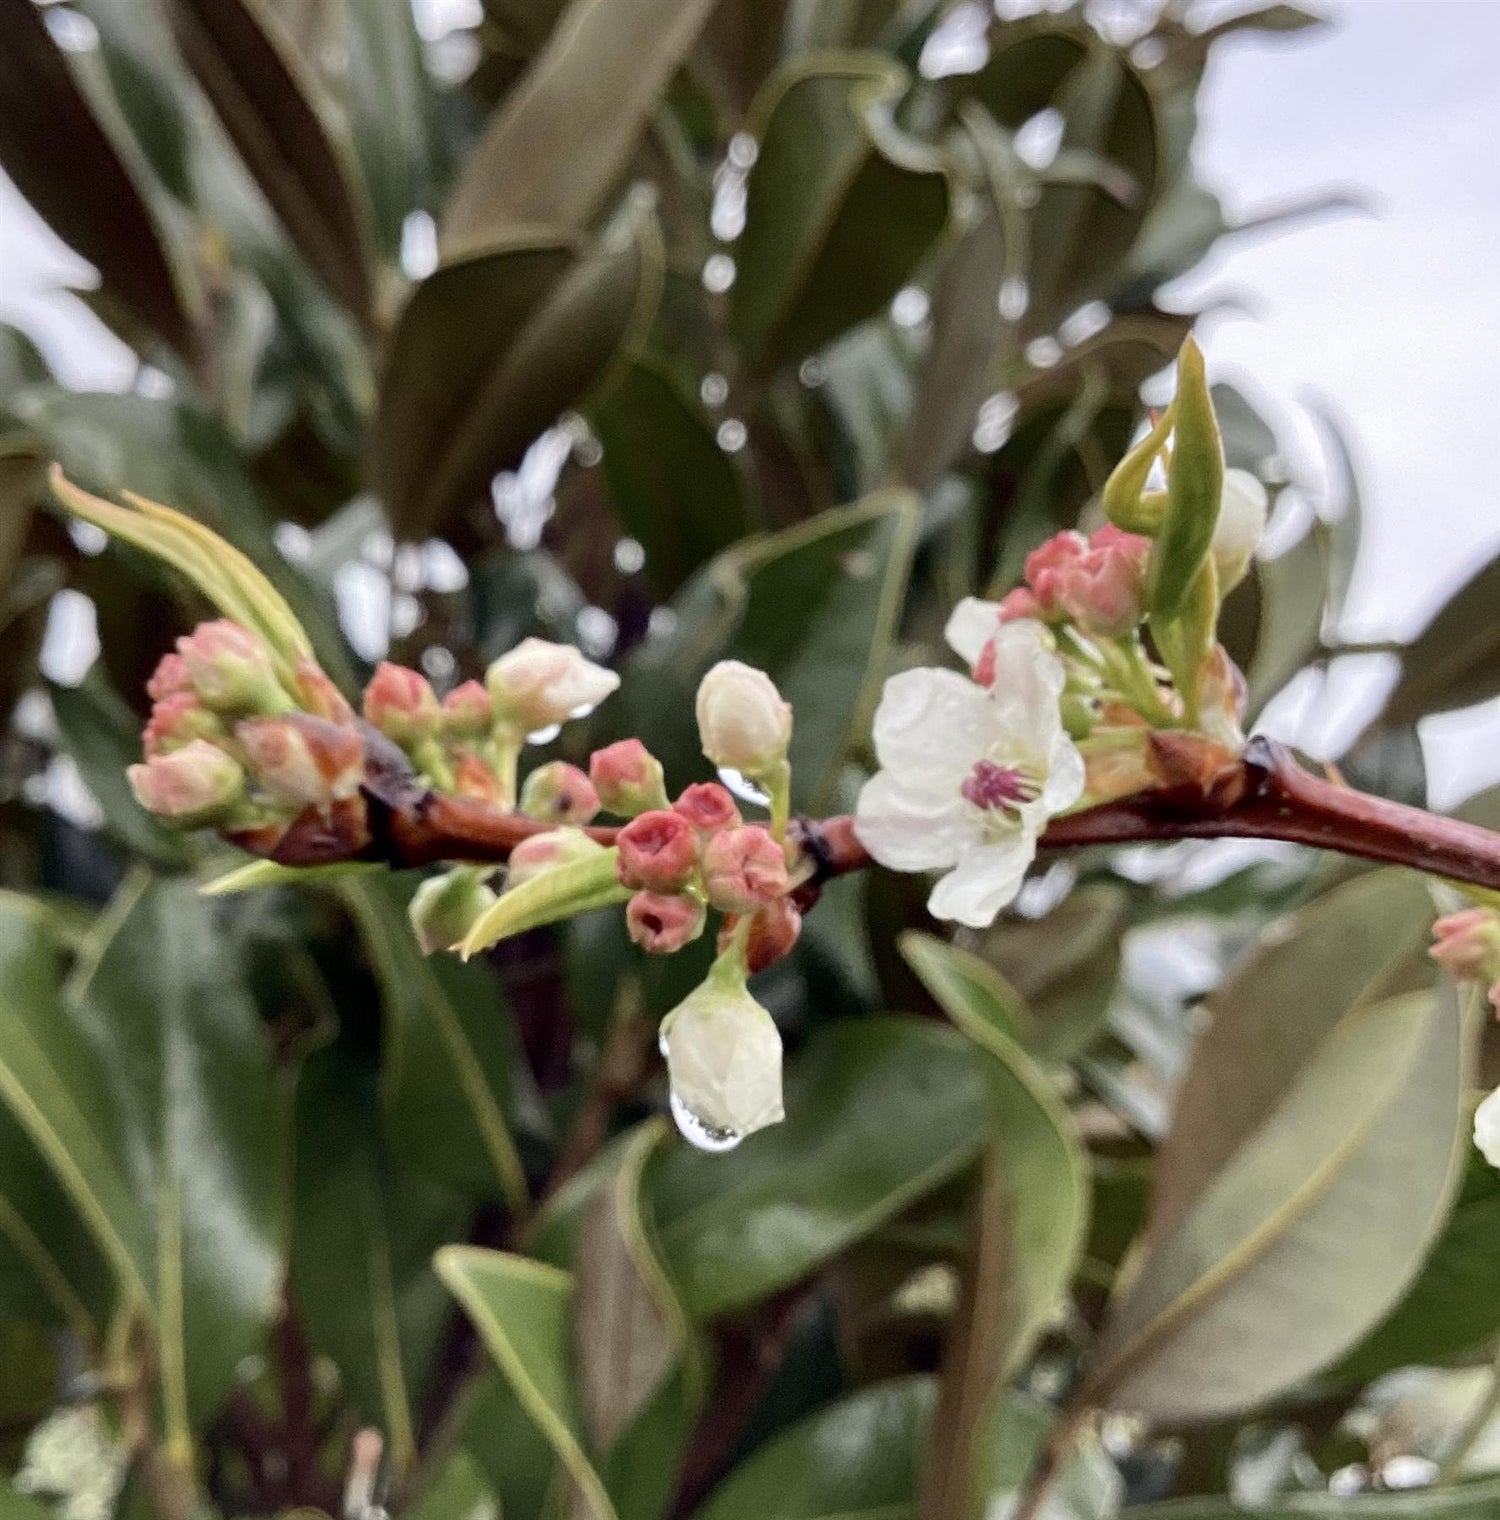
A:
<point x="991" y="787"/>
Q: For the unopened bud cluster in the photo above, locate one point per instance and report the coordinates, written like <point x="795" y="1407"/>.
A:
<point x="233" y="744"/>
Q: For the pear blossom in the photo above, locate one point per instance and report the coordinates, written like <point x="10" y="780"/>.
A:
<point x="970" y="773"/>
<point x="1241" y="525"/>
<point x="1487" y="1128"/>
<point x="744" y="723"/>
<point x="628" y="778"/>
<point x="661" y="924"/>
<point x="189" y="785"/>
<point x="538" y="683"/>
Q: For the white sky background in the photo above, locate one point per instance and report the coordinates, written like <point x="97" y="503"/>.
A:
<point x="1391" y="320"/>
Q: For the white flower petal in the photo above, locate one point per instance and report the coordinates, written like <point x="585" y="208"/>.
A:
<point x="931" y="726"/>
<point x="1029" y="677"/>
<point x="985" y="880"/>
<point x="906" y="831"/>
<point x="1487" y="1128"/>
<point x="1065" y="775"/>
<point x="971" y="625"/>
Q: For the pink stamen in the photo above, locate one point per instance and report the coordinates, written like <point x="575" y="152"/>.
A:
<point x="997" y="786"/>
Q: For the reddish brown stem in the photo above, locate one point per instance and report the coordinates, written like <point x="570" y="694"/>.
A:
<point x="1265" y="794"/>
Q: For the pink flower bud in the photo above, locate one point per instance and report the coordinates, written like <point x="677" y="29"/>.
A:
<point x="708" y="807"/>
<point x="1468" y="944"/>
<point x="317" y="694"/>
<point x="559" y="793"/>
<point x="169" y="679"/>
<point x="658" y="852"/>
<point x="661" y="924"/>
<point x="743" y="722"/>
<point x="743" y="869"/>
<point x="543" y="852"/>
<point x="628" y="778"/>
<point x="538" y="684"/>
<point x="467" y="713"/>
<point x="1096" y="582"/>
<point x="177" y="720"/>
<point x="191" y="785"/>
<point x="1046" y="567"/>
<point x="301" y="760"/>
<point x="400" y="703"/>
<point x="231" y="669"/>
<point x="473" y="778"/>
<point x="774" y="932"/>
<point x="1020" y="603"/>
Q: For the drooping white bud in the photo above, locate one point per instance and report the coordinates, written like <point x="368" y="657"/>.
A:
<point x="744" y="723"/>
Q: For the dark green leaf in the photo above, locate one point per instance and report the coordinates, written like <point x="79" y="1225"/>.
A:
<point x="446" y="1051"/>
<point x="969" y="990"/>
<point x="841" y="206"/>
<point x="674" y="489"/>
<point x="166" y="1006"/>
<point x="490" y="351"/>
<point x="563" y="137"/>
<point x="846" y="572"/>
<point x="65" y="163"/>
<point x="879" y="1112"/>
<point x="1455" y="660"/>
<point x="269" y="103"/>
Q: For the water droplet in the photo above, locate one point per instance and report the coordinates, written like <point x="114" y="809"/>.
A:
<point x="744" y="788"/>
<point x="714" y="389"/>
<point x="910" y="306"/>
<point x="1043" y="353"/>
<point x="630" y="555"/>
<point x="718" y="273"/>
<point x="1014" y="298"/>
<point x="545" y="735"/>
<point x="811" y="373"/>
<point x="743" y="151"/>
<point x="731" y="435"/>
<point x="704" y="1136"/>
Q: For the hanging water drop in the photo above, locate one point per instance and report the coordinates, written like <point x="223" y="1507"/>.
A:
<point x="698" y="1134"/>
<point x="743" y="787"/>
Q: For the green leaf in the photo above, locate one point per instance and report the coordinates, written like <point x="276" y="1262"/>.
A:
<point x="1476" y="1500"/>
<point x="1455" y="660"/>
<point x="65" y="162"/>
<point x="103" y="736"/>
<point x="165" y="1004"/>
<point x="1293" y="588"/>
<point x="861" y="1456"/>
<point x="521" y="1309"/>
<point x="673" y="488"/>
<point x="879" y="1113"/>
<point x="561" y="140"/>
<point x="257" y="875"/>
<point x="365" y="1230"/>
<point x="846" y="572"/>
<point x="446" y="1052"/>
<point x="841" y="206"/>
<point x="490" y="351"/>
<point x="564" y="891"/>
<point x="55" y="1088"/>
<point x="969" y="990"/>
<point x="1453" y="1307"/>
<point x="22" y="473"/>
<point x="639" y="1372"/>
<point x="271" y="108"/>
<point x="1033" y="1221"/>
<point x="1311" y="1197"/>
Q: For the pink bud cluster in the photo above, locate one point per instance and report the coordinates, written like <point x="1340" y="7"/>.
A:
<point x="696" y="854"/>
<point x="1095" y="582"/>
<point x="229" y="743"/>
<point x="1468" y="945"/>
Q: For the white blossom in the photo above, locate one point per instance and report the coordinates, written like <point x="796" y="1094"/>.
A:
<point x="1241" y="525"/>
<point x="538" y="683"/>
<point x="743" y="721"/>
<point x="970" y="774"/>
<point x="1487" y="1128"/>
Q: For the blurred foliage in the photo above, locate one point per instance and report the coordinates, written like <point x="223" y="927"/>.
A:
<point x="764" y="328"/>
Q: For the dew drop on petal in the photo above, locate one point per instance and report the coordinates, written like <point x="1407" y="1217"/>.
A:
<point x="704" y="1136"/>
<point x="743" y="787"/>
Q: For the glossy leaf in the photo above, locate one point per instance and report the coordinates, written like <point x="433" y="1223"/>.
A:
<point x="577" y="886"/>
<point x="969" y="990"/>
<point x="1453" y="661"/>
<point x="446" y="1052"/>
<point x="846" y="571"/>
<point x="561" y="140"/>
<point x="879" y="1112"/>
<point x="1321" y="1220"/>
<point x="520" y="1309"/>
<point x="841" y="206"/>
<point x="53" y="1084"/>
<point x="1292" y="591"/>
<point x="85" y="185"/>
<point x="1031" y="1228"/>
<point x="674" y="490"/>
<point x="166" y="1006"/>
<point x="365" y="1228"/>
<point x="269" y="103"/>
<point x="487" y="354"/>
